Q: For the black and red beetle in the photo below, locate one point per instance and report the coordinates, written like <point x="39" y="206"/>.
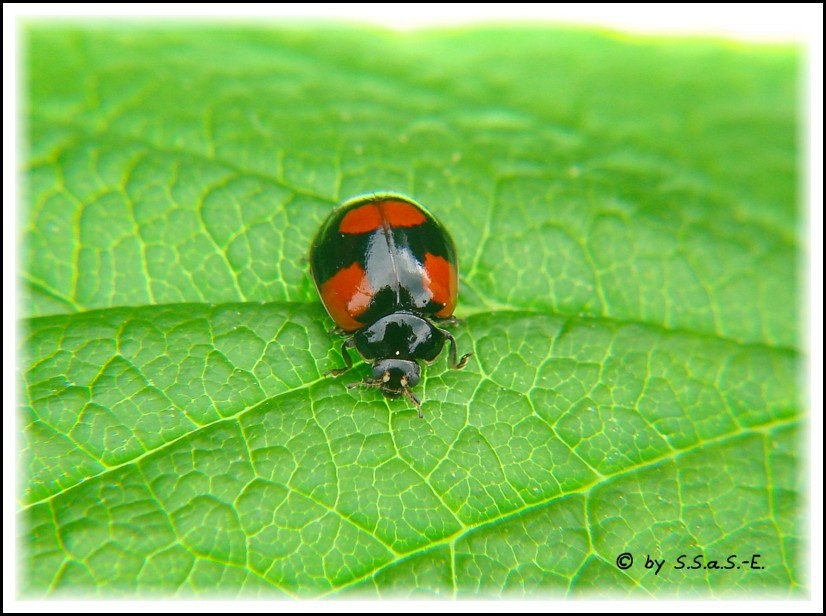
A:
<point x="386" y="272"/>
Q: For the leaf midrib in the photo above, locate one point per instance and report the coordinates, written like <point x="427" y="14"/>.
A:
<point x="497" y="309"/>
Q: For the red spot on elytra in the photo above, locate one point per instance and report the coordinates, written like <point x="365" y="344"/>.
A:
<point x="371" y="216"/>
<point x="442" y="282"/>
<point x="346" y="295"/>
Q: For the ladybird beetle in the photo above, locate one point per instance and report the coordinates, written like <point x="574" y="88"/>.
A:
<point x="386" y="272"/>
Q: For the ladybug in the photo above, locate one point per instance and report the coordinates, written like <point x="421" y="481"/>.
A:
<point x="386" y="272"/>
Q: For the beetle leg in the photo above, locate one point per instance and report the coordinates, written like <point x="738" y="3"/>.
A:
<point x="348" y="361"/>
<point x="455" y="365"/>
<point x="338" y="331"/>
<point x="365" y="383"/>
<point x="412" y="397"/>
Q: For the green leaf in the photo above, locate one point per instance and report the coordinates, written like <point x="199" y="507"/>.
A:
<point x="626" y="217"/>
